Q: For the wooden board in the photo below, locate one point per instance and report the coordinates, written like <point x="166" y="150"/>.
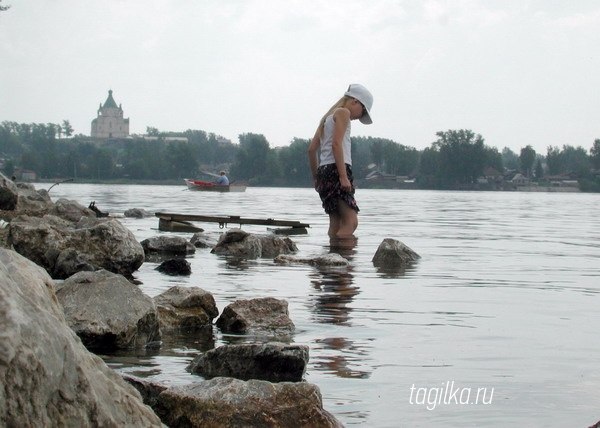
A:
<point x="224" y="220"/>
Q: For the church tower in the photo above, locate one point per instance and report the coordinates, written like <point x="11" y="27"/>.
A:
<point x="110" y="122"/>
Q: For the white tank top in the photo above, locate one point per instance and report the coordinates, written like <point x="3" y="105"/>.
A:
<point x="327" y="147"/>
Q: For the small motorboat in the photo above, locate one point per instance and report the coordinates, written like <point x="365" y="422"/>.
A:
<point x="205" y="186"/>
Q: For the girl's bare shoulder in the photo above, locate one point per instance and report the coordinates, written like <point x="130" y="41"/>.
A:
<point x="341" y="113"/>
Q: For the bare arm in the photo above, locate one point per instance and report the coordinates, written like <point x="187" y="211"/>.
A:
<point x="313" y="150"/>
<point x="342" y="119"/>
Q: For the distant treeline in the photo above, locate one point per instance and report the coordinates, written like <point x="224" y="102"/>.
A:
<point x="456" y="159"/>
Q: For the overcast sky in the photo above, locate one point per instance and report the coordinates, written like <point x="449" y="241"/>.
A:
<point x="517" y="72"/>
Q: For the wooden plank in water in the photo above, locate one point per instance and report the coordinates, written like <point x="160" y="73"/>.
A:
<point x="223" y="220"/>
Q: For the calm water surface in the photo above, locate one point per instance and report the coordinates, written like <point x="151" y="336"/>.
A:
<point x="504" y="300"/>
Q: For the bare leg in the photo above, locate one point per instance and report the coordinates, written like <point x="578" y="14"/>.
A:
<point x="334" y="224"/>
<point x="343" y="246"/>
<point x="348" y="221"/>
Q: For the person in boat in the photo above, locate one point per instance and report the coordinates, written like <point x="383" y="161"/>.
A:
<point x="222" y="180"/>
<point x="332" y="168"/>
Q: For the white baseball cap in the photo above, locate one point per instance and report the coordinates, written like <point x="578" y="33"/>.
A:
<point x="363" y="95"/>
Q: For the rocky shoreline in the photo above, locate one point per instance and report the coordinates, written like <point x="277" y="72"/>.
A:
<point x="67" y="291"/>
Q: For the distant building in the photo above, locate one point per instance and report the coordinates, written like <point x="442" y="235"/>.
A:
<point x="110" y="122"/>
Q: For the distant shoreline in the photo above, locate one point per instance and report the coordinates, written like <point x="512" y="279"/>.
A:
<point x="549" y="189"/>
<point x="360" y="185"/>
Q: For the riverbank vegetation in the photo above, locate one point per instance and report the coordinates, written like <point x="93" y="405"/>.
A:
<point x="456" y="159"/>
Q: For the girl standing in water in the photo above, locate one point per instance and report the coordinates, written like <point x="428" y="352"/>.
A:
<point x="332" y="169"/>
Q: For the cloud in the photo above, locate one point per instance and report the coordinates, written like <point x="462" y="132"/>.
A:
<point x="518" y="72"/>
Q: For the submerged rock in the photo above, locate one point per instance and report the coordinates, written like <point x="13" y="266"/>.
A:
<point x="171" y="245"/>
<point x="392" y="253"/>
<point x="257" y="316"/>
<point x="137" y="213"/>
<point x="202" y="240"/>
<point x="331" y="259"/>
<point x="238" y="243"/>
<point x="175" y="267"/>
<point x="275" y="362"/>
<point x="185" y="308"/>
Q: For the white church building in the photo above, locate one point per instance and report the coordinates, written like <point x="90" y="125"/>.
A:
<point x="110" y="122"/>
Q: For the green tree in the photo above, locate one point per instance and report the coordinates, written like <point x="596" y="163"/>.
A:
<point x="595" y="154"/>
<point x="181" y="160"/>
<point x="49" y="165"/>
<point x="251" y="159"/>
<point x="494" y="159"/>
<point x="8" y="168"/>
<point x="576" y="160"/>
<point x="31" y="160"/>
<point x="402" y="160"/>
<point x="101" y="165"/>
<point x="273" y="173"/>
<point x="462" y="156"/>
<point x="539" y="169"/>
<point x="224" y="151"/>
<point x="527" y="160"/>
<point x="293" y="162"/>
<point x="138" y="169"/>
<point x="10" y="142"/>
<point x="377" y="148"/>
<point x="569" y="159"/>
<point x="67" y="128"/>
<point x="389" y="156"/>
<point x="510" y="159"/>
<point x="361" y="156"/>
<point x="153" y="132"/>
<point x="553" y="160"/>
<point x="429" y="168"/>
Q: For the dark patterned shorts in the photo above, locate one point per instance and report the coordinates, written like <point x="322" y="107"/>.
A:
<point x="328" y="186"/>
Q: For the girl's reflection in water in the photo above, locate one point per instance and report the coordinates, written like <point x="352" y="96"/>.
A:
<point x="335" y="293"/>
<point x="335" y="284"/>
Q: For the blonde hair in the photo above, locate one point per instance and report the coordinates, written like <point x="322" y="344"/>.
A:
<point x="340" y="103"/>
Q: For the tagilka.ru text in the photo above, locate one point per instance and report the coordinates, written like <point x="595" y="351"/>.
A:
<point x="449" y="393"/>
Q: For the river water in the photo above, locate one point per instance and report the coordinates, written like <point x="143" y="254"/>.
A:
<point x="504" y="301"/>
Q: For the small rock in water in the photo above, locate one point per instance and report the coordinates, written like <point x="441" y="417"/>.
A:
<point x="393" y="253"/>
<point x="175" y="267"/>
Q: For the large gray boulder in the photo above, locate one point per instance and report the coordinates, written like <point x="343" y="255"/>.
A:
<point x="274" y="362"/>
<point x="107" y="311"/>
<point x="261" y="316"/>
<point x="90" y="244"/>
<point x="392" y="253"/>
<point x="8" y="193"/>
<point x="228" y="402"/>
<point x="168" y="245"/>
<point x="185" y="308"/>
<point x="203" y="240"/>
<point x="48" y="378"/>
<point x="33" y="202"/>
<point x="38" y="203"/>
<point x="70" y="210"/>
<point x="241" y="244"/>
